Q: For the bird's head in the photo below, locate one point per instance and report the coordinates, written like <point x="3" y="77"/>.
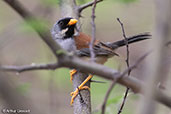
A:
<point x="64" y="28"/>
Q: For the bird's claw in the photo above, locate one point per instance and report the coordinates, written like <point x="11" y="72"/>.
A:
<point x="72" y="72"/>
<point x="75" y="93"/>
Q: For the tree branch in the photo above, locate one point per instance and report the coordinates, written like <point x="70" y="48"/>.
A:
<point x="84" y="6"/>
<point x="92" y="54"/>
<point x="31" y="67"/>
<point x="107" y="73"/>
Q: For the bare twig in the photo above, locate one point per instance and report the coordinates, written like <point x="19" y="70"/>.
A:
<point x="84" y="6"/>
<point x="136" y="63"/>
<point x="120" y="76"/>
<point x="107" y="96"/>
<point x="31" y="67"/>
<point x="126" y="41"/>
<point x="127" y="62"/>
<point x="124" y="100"/>
<point x="93" y="32"/>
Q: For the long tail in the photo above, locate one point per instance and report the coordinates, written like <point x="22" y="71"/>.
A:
<point x="131" y="39"/>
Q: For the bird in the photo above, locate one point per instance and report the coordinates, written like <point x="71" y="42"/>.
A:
<point x="63" y="32"/>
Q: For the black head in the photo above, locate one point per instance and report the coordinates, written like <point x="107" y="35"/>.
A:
<point x="64" y="28"/>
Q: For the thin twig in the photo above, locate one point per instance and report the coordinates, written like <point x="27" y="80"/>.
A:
<point x="103" y="106"/>
<point x="31" y="67"/>
<point x="124" y="100"/>
<point x="93" y="32"/>
<point x="84" y="6"/>
<point x="135" y="64"/>
<point x="126" y="42"/>
<point x="107" y="96"/>
<point x="127" y="62"/>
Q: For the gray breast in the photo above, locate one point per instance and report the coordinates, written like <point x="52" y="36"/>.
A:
<point x="67" y="44"/>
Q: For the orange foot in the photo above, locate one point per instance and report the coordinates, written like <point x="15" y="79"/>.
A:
<point x="81" y="87"/>
<point x="72" y="72"/>
<point x="75" y="93"/>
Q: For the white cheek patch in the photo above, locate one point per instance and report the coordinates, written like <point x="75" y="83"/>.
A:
<point x="61" y="33"/>
<point x="64" y="31"/>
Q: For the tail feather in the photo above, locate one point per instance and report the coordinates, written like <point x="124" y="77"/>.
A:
<point x="131" y="39"/>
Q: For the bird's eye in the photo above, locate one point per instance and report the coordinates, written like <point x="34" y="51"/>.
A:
<point x="61" y="23"/>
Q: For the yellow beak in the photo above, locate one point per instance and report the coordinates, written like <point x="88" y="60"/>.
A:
<point x="72" y="22"/>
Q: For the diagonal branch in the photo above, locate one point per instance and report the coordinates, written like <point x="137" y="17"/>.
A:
<point x="136" y="63"/>
<point x="84" y="6"/>
<point x="43" y="33"/>
<point x="107" y="96"/>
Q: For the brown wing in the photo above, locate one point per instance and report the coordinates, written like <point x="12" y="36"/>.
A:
<point x="83" y="41"/>
<point x="102" y="52"/>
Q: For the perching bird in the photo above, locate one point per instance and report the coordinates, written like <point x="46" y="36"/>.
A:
<point x="63" y="33"/>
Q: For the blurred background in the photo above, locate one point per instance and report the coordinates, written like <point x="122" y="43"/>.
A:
<point x="49" y="91"/>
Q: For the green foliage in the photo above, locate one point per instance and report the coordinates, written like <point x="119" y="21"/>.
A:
<point x="126" y="1"/>
<point x="39" y="25"/>
<point x="23" y="88"/>
<point x="115" y="100"/>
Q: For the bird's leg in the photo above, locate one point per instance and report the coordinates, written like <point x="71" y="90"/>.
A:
<point x="80" y="87"/>
<point x="72" y="72"/>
